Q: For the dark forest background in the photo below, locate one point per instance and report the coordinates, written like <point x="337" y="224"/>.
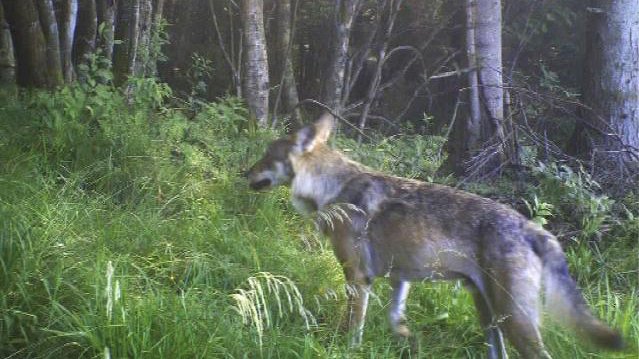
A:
<point x="498" y="80"/>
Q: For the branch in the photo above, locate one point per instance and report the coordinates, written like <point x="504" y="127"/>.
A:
<point x="227" y="57"/>
<point x="329" y="110"/>
<point x="457" y="72"/>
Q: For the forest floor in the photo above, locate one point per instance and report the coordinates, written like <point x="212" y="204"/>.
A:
<point x="127" y="231"/>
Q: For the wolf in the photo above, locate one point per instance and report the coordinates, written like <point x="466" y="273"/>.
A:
<point x="409" y="230"/>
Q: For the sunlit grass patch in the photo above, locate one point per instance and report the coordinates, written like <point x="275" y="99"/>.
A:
<point x="267" y="300"/>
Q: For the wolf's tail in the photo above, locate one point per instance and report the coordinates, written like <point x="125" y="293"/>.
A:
<point x="564" y="300"/>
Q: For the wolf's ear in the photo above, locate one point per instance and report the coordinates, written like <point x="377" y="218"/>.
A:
<point x="310" y="136"/>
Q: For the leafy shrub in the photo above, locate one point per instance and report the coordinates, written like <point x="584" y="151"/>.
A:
<point x="539" y="210"/>
<point x="413" y="156"/>
<point x="575" y="196"/>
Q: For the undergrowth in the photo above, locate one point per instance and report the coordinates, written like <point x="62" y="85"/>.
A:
<point x="126" y="231"/>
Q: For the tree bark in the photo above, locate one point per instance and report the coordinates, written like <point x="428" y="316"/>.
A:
<point x="51" y="36"/>
<point x="345" y="12"/>
<point x="67" y="12"/>
<point x="284" y="65"/>
<point x="29" y="43"/>
<point x="144" y="37"/>
<point x="85" y="33"/>
<point x="105" y="10"/>
<point x="489" y="61"/>
<point x="256" y="85"/>
<point x="473" y="124"/>
<point x="463" y="126"/>
<point x="476" y="146"/>
<point x="609" y="133"/>
<point x="126" y="32"/>
<point x="156" y="28"/>
<point x="7" y="60"/>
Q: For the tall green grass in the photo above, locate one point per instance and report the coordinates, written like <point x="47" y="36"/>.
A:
<point x="126" y="231"/>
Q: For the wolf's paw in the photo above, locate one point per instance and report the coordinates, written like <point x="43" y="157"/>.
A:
<point x="401" y="331"/>
<point x="410" y="346"/>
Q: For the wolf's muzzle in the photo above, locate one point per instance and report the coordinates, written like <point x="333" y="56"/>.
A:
<point x="260" y="185"/>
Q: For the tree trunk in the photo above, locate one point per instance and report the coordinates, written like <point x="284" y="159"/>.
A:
<point x="126" y="33"/>
<point x="463" y="130"/>
<point x="29" y="43"/>
<point x="609" y="133"/>
<point x="67" y="11"/>
<point x="284" y="65"/>
<point x="105" y="10"/>
<point x="144" y="37"/>
<point x="156" y="28"/>
<point x="345" y="12"/>
<point x="473" y="124"/>
<point x="51" y="36"/>
<point x="490" y="156"/>
<point x="255" y="82"/>
<point x="476" y="146"/>
<point x="85" y="34"/>
<point x="7" y="61"/>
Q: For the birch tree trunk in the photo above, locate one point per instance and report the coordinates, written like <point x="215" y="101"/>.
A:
<point x="105" y="10"/>
<point x="284" y="65"/>
<point x="85" y="34"/>
<point x="473" y="124"/>
<point x="7" y="60"/>
<point x="476" y="145"/>
<point x="345" y="12"/>
<point x="256" y="85"/>
<point x="489" y="61"/>
<point x="67" y="11"/>
<point x="126" y="33"/>
<point x="51" y="35"/>
<point x="610" y="134"/>
<point x="29" y="43"/>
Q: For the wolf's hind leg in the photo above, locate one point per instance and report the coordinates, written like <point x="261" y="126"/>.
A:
<point x="524" y="334"/>
<point x="357" y="304"/>
<point x="516" y="302"/>
<point x="494" y="336"/>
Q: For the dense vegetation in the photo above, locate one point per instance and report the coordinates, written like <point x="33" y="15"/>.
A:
<point x="126" y="230"/>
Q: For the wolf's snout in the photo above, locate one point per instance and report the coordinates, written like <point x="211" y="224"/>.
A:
<point x="260" y="185"/>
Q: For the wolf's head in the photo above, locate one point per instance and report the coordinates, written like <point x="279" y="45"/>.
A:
<point x="276" y="168"/>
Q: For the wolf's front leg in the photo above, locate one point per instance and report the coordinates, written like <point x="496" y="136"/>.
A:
<point x="398" y="306"/>
<point x="357" y="304"/>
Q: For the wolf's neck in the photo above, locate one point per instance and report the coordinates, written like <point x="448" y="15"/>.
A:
<point x="319" y="177"/>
